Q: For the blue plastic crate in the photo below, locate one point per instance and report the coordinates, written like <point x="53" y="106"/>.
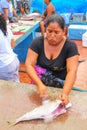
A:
<point x="77" y="17"/>
<point x="66" y="17"/>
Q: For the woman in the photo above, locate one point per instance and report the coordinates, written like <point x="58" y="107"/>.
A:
<point x="7" y="9"/>
<point x="57" y="55"/>
<point x="50" y="9"/>
<point x="9" y="63"/>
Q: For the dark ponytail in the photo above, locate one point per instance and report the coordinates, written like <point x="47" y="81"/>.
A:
<point x="3" y="25"/>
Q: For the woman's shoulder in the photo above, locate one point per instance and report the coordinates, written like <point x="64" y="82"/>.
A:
<point x="70" y="43"/>
<point x="71" y="48"/>
<point x="38" y="40"/>
<point x="4" y="3"/>
<point x="37" y="44"/>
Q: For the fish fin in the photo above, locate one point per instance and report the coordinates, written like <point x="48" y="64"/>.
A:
<point x="68" y="105"/>
<point x="48" y="119"/>
<point x="11" y="124"/>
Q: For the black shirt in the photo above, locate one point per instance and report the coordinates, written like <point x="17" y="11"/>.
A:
<point x="57" y="65"/>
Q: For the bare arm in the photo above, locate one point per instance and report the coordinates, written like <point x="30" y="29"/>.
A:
<point x="30" y="63"/>
<point x="50" y="9"/>
<point x="14" y="13"/>
<point x="72" y="65"/>
<point x="6" y="13"/>
<point x="12" y="43"/>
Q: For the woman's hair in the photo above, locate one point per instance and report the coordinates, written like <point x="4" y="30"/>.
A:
<point x="49" y="0"/>
<point x="56" y="18"/>
<point x="3" y="26"/>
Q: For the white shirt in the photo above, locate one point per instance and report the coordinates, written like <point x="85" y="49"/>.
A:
<point x="6" y="52"/>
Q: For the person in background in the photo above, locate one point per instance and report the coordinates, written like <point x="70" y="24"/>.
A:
<point x="50" y="9"/>
<point x="7" y="9"/>
<point x="9" y="63"/>
<point x="23" y="6"/>
<point x="53" y="60"/>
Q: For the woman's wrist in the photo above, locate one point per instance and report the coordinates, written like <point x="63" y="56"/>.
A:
<point x="66" y="90"/>
<point x="7" y="21"/>
<point x="40" y="84"/>
<point x="65" y="93"/>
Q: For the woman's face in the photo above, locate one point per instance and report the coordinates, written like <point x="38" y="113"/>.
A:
<point x="46" y="1"/>
<point x="54" y="33"/>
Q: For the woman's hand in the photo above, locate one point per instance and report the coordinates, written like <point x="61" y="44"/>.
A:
<point x="64" y="98"/>
<point x="42" y="91"/>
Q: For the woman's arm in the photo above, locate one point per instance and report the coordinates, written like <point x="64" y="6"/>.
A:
<point x="50" y="9"/>
<point x="12" y="43"/>
<point x="14" y="12"/>
<point x="6" y="13"/>
<point x="49" y="13"/>
<point x="30" y="63"/>
<point x="72" y="66"/>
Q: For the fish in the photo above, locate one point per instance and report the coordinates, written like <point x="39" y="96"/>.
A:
<point x="47" y="111"/>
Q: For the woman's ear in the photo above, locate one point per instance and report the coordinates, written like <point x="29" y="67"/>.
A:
<point x="65" y="31"/>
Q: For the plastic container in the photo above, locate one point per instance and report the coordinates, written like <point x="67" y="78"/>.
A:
<point x="86" y="16"/>
<point x="77" y="17"/>
<point x="84" y="39"/>
<point x="66" y="17"/>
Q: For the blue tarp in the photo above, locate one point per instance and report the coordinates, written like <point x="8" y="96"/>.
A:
<point x="63" y="6"/>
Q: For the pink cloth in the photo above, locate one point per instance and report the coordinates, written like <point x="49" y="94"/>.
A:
<point x="39" y="70"/>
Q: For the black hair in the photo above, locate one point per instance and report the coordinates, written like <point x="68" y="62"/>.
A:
<point x="56" y="18"/>
<point x="3" y="25"/>
<point x="49" y="0"/>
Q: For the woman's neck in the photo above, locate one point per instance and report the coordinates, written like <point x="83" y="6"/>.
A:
<point x="62" y="41"/>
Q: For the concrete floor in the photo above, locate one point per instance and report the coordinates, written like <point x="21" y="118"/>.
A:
<point x="18" y="98"/>
<point x="81" y="80"/>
